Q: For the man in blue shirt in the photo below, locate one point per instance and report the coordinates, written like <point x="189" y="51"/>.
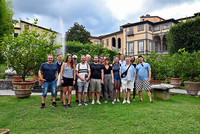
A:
<point x="50" y="75"/>
<point x="143" y="76"/>
<point x="128" y="80"/>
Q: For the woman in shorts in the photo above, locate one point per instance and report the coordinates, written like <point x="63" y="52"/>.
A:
<point x="116" y="68"/>
<point x="68" y="76"/>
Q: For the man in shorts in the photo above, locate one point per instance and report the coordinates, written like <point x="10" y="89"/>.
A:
<point x="97" y="75"/>
<point x="83" y="74"/>
<point x="50" y="75"/>
<point x="128" y="80"/>
<point x="143" y="75"/>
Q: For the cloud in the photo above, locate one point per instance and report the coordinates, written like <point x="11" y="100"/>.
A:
<point x="94" y="15"/>
<point x="99" y="16"/>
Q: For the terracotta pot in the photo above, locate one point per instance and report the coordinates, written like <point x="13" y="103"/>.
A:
<point x="17" y="78"/>
<point x="176" y="82"/>
<point x="192" y="88"/>
<point x="23" y="89"/>
<point x="155" y="82"/>
<point x="4" y="131"/>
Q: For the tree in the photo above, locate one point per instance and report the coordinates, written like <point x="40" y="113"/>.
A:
<point x="78" y="33"/>
<point x="6" y="25"/>
<point x="28" y="51"/>
<point x="184" y="35"/>
<point x="6" y="13"/>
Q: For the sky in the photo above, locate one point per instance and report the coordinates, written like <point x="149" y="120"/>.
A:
<point x="99" y="16"/>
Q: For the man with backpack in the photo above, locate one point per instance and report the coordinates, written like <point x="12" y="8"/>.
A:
<point x="83" y="73"/>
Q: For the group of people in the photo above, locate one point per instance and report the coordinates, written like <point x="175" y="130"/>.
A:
<point x="100" y="78"/>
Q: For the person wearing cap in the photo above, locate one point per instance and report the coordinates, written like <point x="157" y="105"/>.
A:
<point x="127" y="80"/>
<point x="75" y="87"/>
<point x="108" y="81"/>
<point x="143" y="76"/>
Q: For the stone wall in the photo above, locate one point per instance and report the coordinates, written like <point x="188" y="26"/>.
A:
<point x="6" y="85"/>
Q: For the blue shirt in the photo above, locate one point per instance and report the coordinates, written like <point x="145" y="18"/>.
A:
<point x="49" y="71"/>
<point x="143" y="71"/>
<point x="132" y="69"/>
<point x="122" y="63"/>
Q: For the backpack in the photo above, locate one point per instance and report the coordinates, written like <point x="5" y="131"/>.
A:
<point x="79" y="64"/>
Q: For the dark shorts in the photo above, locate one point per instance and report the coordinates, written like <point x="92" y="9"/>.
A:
<point x="117" y="78"/>
<point x="67" y="82"/>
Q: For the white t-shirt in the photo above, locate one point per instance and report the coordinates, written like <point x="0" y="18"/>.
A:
<point x="83" y="70"/>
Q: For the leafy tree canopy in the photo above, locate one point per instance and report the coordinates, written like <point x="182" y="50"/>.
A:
<point x="184" y="35"/>
<point x="78" y="33"/>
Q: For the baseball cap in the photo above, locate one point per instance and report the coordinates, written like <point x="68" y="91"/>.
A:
<point x="74" y="56"/>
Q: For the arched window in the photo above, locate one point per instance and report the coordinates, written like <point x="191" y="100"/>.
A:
<point x="119" y="43"/>
<point x="113" y="42"/>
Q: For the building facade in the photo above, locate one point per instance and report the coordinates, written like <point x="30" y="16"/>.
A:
<point x="19" y="28"/>
<point x="140" y="37"/>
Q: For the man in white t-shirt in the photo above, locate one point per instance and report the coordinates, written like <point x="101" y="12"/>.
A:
<point x="83" y="73"/>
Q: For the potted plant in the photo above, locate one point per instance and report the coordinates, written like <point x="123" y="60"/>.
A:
<point x="191" y="73"/>
<point x="26" y="53"/>
<point x="175" y="64"/>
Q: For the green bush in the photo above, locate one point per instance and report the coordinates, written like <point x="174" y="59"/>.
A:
<point x="184" y="35"/>
<point x="158" y="65"/>
<point x="77" y="48"/>
<point x="2" y="71"/>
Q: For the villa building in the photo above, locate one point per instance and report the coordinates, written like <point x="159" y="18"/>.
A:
<point x="140" y="37"/>
<point x="19" y="28"/>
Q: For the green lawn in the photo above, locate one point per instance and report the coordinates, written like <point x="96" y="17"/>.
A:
<point x="181" y="114"/>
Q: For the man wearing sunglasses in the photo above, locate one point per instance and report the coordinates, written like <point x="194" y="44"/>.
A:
<point x="143" y="76"/>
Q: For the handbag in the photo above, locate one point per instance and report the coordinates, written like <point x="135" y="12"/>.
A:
<point x="58" y="81"/>
<point x="123" y="75"/>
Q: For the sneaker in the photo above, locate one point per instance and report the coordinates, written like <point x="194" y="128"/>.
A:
<point x="118" y="100"/>
<point x="128" y="101"/>
<point x="88" y="100"/>
<point x="53" y="104"/>
<point x="77" y="101"/>
<point x="98" y="102"/>
<point x="43" y="106"/>
<point x="105" y="101"/>
<point x="133" y="99"/>
<point x="62" y="102"/>
<point x="124" y="101"/>
<point x="69" y="106"/>
<point x="113" y="102"/>
<point x="79" y="104"/>
<point x="93" y="102"/>
<point x="85" y="104"/>
<point x="64" y="106"/>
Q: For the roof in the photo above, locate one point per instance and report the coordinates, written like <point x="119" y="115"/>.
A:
<point x="149" y="16"/>
<point x="39" y="27"/>
<point x="106" y="35"/>
<point x="149" y="22"/>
